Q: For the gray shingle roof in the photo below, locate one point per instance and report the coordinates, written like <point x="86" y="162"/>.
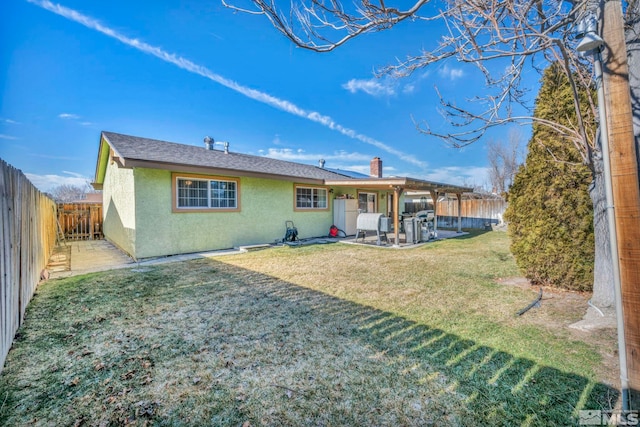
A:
<point x="152" y="150"/>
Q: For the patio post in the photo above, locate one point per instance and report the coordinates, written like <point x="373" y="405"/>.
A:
<point x="397" y="191"/>
<point x="459" y="196"/>
<point x="434" y="198"/>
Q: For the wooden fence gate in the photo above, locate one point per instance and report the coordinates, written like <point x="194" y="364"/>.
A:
<point x="80" y="221"/>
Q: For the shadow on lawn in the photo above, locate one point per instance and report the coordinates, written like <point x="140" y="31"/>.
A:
<point x="230" y="326"/>
<point x="500" y="388"/>
<point x="470" y="233"/>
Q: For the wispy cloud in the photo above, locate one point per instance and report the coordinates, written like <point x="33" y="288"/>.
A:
<point x="351" y="161"/>
<point x="75" y="118"/>
<point x="450" y="73"/>
<point x="378" y="87"/>
<point x="194" y="68"/>
<point x="3" y="136"/>
<point x="459" y="175"/>
<point x="409" y="88"/>
<point x="373" y="87"/>
<point x="68" y="116"/>
<point x="276" y="140"/>
<point x="47" y="183"/>
<point x="74" y="174"/>
<point x="301" y="155"/>
<point x="10" y="122"/>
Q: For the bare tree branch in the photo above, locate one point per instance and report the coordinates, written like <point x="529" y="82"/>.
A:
<point x="315" y="17"/>
<point x="486" y="33"/>
<point x="69" y="193"/>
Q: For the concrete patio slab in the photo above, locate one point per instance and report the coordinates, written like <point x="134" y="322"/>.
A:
<point x="86" y="256"/>
<point x="89" y="256"/>
<point x="371" y="239"/>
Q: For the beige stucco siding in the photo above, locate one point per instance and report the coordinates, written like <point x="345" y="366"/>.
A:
<point x="119" y="208"/>
<point x="265" y="205"/>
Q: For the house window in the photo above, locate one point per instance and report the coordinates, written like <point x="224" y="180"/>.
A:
<point x="367" y="202"/>
<point x="311" y="198"/>
<point x="192" y="193"/>
<point x="198" y="193"/>
<point x="223" y="194"/>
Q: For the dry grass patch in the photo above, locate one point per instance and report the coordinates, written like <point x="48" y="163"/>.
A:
<point x="455" y="285"/>
<point x="322" y="335"/>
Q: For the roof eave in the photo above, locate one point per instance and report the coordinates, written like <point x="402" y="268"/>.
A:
<point x="207" y="170"/>
<point x="101" y="162"/>
<point x="399" y="182"/>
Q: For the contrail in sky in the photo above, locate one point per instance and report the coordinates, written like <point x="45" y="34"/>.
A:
<point x="192" y="67"/>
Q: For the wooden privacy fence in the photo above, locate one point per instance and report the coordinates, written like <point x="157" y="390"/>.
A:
<point x="477" y="213"/>
<point x="80" y="221"/>
<point x="27" y="239"/>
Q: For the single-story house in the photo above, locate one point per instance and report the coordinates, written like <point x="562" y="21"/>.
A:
<point x="162" y="198"/>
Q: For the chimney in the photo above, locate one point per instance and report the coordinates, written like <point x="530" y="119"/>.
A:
<point x="208" y="142"/>
<point x="321" y="163"/>
<point x="376" y="168"/>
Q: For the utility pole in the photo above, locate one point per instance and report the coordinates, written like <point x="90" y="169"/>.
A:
<point x="625" y="184"/>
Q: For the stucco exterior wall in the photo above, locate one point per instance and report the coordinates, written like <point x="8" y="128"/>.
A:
<point x="119" y="208"/>
<point x="265" y="205"/>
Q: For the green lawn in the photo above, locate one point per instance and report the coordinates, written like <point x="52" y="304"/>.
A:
<point x="328" y="334"/>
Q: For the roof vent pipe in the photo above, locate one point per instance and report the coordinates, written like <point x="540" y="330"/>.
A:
<point x="226" y="147"/>
<point x="321" y="163"/>
<point x="208" y="142"/>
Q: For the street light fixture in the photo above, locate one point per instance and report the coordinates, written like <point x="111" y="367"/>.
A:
<point x="587" y="33"/>
<point x="590" y="41"/>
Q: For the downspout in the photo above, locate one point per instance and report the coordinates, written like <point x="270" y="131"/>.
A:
<point x="613" y="239"/>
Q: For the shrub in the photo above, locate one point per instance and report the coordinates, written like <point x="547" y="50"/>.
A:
<point x="550" y="212"/>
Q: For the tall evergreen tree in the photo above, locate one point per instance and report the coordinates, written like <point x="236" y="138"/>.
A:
<point x="550" y="212"/>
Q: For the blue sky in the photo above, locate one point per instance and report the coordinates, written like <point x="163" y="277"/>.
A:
<point x="179" y="71"/>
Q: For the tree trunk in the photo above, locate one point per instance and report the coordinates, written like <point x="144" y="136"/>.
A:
<point x="603" y="291"/>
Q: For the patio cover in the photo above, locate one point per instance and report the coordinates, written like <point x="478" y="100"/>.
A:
<point x="400" y="185"/>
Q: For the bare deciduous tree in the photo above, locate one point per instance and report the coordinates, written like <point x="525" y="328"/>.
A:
<point x="504" y="39"/>
<point x="504" y="159"/>
<point x="68" y="193"/>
